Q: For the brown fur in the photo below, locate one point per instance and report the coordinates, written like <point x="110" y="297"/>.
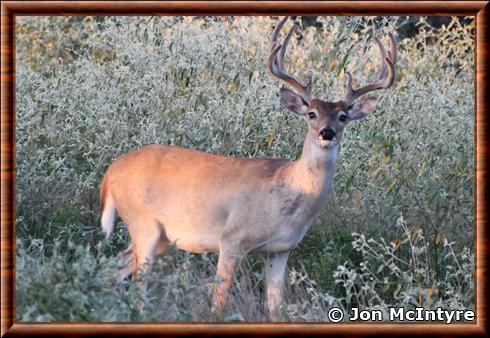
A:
<point x="103" y="193"/>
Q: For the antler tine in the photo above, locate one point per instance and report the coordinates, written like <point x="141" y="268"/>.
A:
<point x="276" y="60"/>
<point x="277" y="30"/>
<point x="282" y="52"/>
<point x="393" y="52"/>
<point x="386" y="74"/>
<point x="350" y="90"/>
<point x="382" y="50"/>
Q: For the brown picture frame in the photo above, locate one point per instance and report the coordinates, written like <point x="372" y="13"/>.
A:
<point x="11" y="9"/>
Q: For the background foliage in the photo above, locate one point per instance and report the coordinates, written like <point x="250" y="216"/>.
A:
<point x="397" y="231"/>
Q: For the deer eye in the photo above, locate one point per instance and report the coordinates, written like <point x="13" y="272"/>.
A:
<point x="312" y="115"/>
<point x="343" y="118"/>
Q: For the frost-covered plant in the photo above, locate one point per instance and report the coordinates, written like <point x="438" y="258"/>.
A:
<point x="388" y="275"/>
<point x="92" y="88"/>
<point x="78" y="283"/>
<point x="399" y="274"/>
<point x="306" y="301"/>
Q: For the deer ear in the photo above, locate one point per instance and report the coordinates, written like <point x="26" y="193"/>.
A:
<point x="294" y="102"/>
<point x="363" y="109"/>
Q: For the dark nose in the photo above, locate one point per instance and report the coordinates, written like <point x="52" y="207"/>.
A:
<point x="327" y="134"/>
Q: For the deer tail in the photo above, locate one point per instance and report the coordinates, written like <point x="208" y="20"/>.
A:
<point x="107" y="208"/>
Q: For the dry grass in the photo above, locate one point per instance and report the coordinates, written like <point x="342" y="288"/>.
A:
<point x="90" y="89"/>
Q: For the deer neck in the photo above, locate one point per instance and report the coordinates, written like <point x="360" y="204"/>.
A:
<point x="313" y="172"/>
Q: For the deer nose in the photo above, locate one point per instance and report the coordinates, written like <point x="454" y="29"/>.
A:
<point x="327" y="134"/>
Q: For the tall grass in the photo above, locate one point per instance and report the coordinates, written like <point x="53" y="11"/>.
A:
<point x="90" y="89"/>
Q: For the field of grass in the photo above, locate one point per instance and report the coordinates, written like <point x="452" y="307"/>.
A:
<point x="396" y="232"/>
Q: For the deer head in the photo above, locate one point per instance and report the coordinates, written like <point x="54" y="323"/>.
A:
<point x="326" y="120"/>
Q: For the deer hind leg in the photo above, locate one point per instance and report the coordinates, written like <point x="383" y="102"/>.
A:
<point x="144" y="237"/>
<point x="275" y="267"/>
<point x="228" y="262"/>
<point x="129" y="259"/>
<point x="129" y="264"/>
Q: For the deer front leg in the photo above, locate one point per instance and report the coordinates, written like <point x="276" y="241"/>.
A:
<point x="227" y="264"/>
<point x="275" y="266"/>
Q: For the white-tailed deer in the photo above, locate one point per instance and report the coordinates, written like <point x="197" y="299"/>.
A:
<point x="236" y="206"/>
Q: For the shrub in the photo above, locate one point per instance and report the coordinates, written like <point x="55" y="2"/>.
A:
<point x="92" y="88"/>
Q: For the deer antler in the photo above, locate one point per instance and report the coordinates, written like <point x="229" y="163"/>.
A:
<point x="386" y="74"/>
<point x="276" y="60"/>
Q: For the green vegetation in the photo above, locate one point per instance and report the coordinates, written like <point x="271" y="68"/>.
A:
<point x="397" y="231"/>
